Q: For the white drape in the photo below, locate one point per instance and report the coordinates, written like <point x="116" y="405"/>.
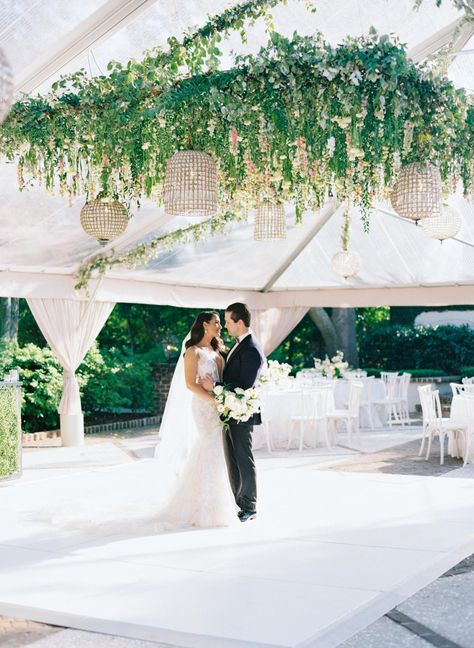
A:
<point x="70" y="327"/>
<point x="271" y="326"/>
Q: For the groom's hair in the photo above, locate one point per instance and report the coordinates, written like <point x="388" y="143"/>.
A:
<point x="239" y="311"/>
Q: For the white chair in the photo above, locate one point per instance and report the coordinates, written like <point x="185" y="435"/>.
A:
<point x="435" y="425"/>
<point x="469" y="400"/>
<point x="313" y="413"/>
<point x="468" y="381"/>
<point x="404" y="382"/>
<point x="366" y="399"/>
<point x="457" y="389"/>
<point x="265" y="406"/>
<point x="349" y="416"/>
<point x="392" y="400"/>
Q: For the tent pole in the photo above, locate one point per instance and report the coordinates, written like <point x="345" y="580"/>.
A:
<point x="326" y="212"/>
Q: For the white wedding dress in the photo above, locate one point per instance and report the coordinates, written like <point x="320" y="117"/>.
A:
<point x="185" y="485"/>
<point x="202" y="496"/>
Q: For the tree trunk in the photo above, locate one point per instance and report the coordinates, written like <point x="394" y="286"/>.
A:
<point x="326" y="328"/>
<point x="9" y="307"/>
<point x="344" y="320"/>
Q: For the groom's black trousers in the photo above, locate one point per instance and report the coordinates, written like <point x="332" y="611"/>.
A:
<point x="241" y="465"/>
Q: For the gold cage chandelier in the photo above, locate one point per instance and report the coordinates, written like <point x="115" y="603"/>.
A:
<point x="417" y="192"/>
<point x="270" y="222"/>
<point x="104" y="219"/>
<point x="190" y="184"/>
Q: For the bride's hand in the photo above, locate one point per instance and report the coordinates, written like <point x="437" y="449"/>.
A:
<point x="206" y="383"/>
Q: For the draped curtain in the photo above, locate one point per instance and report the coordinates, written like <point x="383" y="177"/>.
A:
<point x="70" y="327"/>
<point x="272" y="325"/>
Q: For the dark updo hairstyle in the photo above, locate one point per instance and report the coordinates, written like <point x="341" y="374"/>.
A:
<point x="197" y="331"/>
<point x="239" y="311"/>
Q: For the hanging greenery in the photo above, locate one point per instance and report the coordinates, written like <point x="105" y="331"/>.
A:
<point x="299" y="122"/>
<point x="9" y="432"/>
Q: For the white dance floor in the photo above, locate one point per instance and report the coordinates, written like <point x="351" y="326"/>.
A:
<point x="329" y="553"/>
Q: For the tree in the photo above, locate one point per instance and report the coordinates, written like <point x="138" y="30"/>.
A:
<point x="9" y="308"/>
<point x="338" y="331"/>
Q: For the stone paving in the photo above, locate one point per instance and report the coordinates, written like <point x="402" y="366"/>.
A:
<point x="15" y="633"/>
<point x="401" y="460"/>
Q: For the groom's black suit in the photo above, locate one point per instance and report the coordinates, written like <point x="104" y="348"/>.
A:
<point x="241" y="370"/>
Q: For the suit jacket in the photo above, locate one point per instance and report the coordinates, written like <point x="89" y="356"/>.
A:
<point x="243" y="368"/>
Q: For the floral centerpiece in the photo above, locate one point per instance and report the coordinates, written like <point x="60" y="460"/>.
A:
<point x="332" y="368"/>
<point x="238" y="405"/>
<point x="274" y="373"/>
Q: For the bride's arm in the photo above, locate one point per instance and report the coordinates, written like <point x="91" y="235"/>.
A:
<point x="190" y="375"/>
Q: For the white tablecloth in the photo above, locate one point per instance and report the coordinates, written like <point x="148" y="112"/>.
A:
<point x="377" y="392"/>
<point x="281" y="405"/>
<point x="459" y="413"/>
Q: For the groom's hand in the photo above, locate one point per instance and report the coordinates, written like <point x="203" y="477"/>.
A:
<point x="207" y="383"/>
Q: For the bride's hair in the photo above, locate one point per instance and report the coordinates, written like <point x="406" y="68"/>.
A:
<point x="197" y="331"/>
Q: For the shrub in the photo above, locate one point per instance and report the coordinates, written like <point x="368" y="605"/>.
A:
<point x="114" y="379"/>
<point x="109" y="380"/>
<point x="467" y="372"/>
<point x="447" y="348"/>
<point x="41" y="378"/>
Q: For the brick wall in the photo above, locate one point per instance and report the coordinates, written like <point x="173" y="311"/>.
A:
<point x="162" y="379"/>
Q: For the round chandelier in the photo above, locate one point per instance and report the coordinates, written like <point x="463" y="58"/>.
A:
<point x="417" y="191"/>
<point x="190" y="184"/>
<point x="444" y="225"/>
<point x="104" y="219"/>
<point x="6" y="86"/>
<point x="270" y="222"/>
<point x="346" y="263"/>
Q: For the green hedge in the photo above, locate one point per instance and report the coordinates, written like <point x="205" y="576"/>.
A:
<point x="109" y="381"/>
<point x="467" y="372"/>
<point x="446" y="348"/>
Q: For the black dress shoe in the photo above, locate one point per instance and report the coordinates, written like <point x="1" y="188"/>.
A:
<point x="247" y="515"/>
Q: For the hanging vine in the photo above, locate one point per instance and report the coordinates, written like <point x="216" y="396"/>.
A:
<point x="299" y="121"/>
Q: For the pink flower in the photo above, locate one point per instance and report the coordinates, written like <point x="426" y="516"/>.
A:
<point x="300" y="142"/>
<point x="105" y="159"/>
<point x="233" y="137"/>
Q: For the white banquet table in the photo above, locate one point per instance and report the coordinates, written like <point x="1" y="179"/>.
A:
<point x="279" y="405"/>
<point x="377" y="392"/>
<point x="459" y="413"/>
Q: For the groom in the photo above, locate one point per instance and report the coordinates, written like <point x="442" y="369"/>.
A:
<point x="243" y="365"/>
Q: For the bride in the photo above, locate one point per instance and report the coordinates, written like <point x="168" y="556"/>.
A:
<point x="186" y="484"/>
<point x="191" y="442"/>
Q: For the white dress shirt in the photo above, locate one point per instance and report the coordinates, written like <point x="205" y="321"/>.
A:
<point x="240" y="338"/>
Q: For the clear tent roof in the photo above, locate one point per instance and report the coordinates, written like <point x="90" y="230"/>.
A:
<point x="42" y="243"/>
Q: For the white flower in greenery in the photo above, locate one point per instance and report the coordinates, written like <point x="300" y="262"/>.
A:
<point x="342" y="122"/>
<point x="355" y="153"/>
<point x="331" y="145"/>
<point x="218" y="389"/>
<point x="356" y="77"/>
<point x="145" y="146"/>
<point x="330" y="73"/>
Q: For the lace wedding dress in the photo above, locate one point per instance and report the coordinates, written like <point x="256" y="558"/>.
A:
<point x="202" y="496"/>
<point x="185" y="485"/>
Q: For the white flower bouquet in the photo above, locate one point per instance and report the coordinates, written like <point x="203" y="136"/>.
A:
<point x="274" y="373"/>
<point x="332" y="368"/>
<point x="238" y="405"/>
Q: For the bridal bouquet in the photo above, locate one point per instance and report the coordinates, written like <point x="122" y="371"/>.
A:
<point x="333" y="368"/>
<point x="238" y="405"/>
<point x="274" y="373"/>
